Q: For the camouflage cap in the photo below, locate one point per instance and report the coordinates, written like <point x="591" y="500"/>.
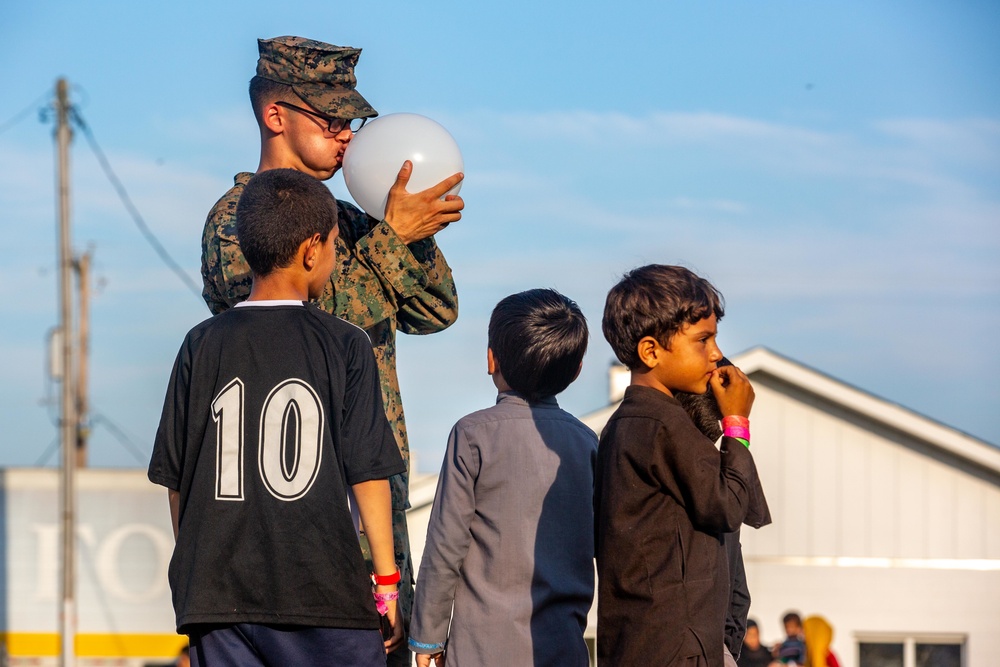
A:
<point x="321" y="74"/>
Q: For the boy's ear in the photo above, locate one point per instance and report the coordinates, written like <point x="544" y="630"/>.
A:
<point x="491" y="362"/>
<point x="650" y="351"/>
<point x="309" y="251"/>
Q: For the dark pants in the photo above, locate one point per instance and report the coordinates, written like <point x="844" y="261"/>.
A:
<point x="399" y="658"/>
<point x="254" y="645"/>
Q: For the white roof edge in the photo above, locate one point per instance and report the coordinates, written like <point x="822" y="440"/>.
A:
<point x="596" y="420"/>
<point x="878" y="409"/>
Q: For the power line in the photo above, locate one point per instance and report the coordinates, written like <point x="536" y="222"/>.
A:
<point x="49" y="451"/>
<point x="22" y="114"/>
<point x="123" y="438"/>
<point x="130" y="207"/>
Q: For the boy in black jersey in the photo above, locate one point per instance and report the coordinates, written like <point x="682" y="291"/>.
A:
<point x="272" y="442"/>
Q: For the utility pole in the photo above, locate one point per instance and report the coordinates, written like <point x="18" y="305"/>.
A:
<point x="82" y="265"/>
<point x="68" y="418"/>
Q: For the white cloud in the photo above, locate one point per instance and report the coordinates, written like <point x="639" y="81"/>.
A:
<point x="721" y="205"/>
<point x="617" y="141"/>
<point x="975" y="140"/>
<point x="214" y="130"/>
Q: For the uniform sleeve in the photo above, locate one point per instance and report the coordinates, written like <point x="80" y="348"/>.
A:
<point x="417" y="274"/>
<point x="714" y="485"/>
<point x="167" y="459"/>
<point x="225" y="274"/>
<point x="232" y="278"/>
<point x="368" y="448"/>
<point x="448" y="538"/>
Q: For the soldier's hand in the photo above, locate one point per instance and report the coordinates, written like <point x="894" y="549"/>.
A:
<point x="415" y="216"/>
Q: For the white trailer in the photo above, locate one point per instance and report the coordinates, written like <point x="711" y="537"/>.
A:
<point x="124" y="543"/>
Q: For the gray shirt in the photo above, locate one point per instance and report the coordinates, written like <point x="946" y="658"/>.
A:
<point x="511" y="540"/>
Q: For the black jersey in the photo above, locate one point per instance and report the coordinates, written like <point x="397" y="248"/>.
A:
<point x="272" y="412"/>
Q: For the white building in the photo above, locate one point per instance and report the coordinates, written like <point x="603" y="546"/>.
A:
<point x="124" y="543"/>
<point x="885" y="522"/>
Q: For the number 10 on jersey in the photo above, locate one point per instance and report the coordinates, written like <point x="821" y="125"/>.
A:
<point x="289" y="442"/>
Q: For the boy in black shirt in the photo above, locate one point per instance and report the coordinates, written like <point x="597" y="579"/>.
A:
<point x="272" y="441"/>
<point x="665" y="496"/>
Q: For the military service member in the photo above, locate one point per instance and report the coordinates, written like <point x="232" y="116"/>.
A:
<point x="389" y="274"/>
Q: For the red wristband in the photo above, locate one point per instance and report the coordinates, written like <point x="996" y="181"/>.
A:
<point x="386" y="580"/>
<point x="735" y="420"/>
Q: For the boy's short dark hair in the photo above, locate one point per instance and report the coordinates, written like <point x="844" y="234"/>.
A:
<point x="791" y="617"/>
<point x="278" y="210"/>
<point x="264" y="91"/>
<point x="538" y="338"/>
<point x="658" y="301"/>
<point x="751" y="623"/>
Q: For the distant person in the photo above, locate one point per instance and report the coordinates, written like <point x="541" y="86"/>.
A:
<point x="183" y="658"/>
<point x="665" y="496"/>
<point x="390" y="274"/>
<point x="507" y="575"/>
<point x="272" y="429"/>
<point x="819" y="636"/>
<point x="792" y="651"/>
<point x="753" y="653"/>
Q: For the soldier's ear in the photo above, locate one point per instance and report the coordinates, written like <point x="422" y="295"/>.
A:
<point x="273" y="118"/>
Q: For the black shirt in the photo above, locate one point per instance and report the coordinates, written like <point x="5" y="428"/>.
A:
<point x="272" y="412"/>
<point x="664" y="498"/>
<point x="759" y="657"/>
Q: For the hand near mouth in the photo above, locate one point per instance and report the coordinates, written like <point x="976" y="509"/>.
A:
<point x="733" y="391"/>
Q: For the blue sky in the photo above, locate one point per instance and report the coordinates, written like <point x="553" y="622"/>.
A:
<point x="834" y="168"/>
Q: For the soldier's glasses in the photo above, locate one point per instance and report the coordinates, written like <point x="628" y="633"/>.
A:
<point x="333" y="125"/>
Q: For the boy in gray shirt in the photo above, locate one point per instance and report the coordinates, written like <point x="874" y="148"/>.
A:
<point x="508" y="562"/>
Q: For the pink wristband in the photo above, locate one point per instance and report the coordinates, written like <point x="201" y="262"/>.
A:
<point x="382" y="598"/>
<point x="737" y="432"/>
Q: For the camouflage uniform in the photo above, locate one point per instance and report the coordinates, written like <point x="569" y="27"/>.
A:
<point x="379" y="283"/>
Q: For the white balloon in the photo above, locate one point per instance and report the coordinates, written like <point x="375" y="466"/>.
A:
<point x="376" y="153"/>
